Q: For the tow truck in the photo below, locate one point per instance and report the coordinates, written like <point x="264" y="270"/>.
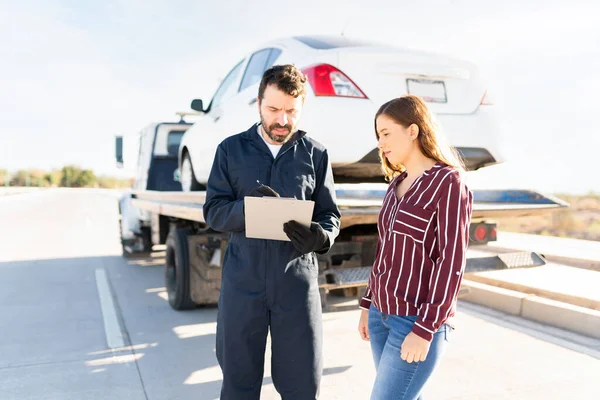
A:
<point x="164" y="215"/>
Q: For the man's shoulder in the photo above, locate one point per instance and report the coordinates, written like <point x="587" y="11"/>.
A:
<point x="236" y="138"/>
<point x="314" y="144"/>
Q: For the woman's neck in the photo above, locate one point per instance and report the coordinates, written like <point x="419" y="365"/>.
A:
<point x="416" y="165"/>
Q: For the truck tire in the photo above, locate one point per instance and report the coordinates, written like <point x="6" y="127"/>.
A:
<point x="124" y="251"/>
<point x="139" y="247"/>
<point x="177" y="270"/>
<point x="130" y="248"/>
<point x="146" y="240"/>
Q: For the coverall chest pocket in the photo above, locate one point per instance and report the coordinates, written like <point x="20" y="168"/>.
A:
<point x="244" y="179"/>
<point x="412" y="221"/>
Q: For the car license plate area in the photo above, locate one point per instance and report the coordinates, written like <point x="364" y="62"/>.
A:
<point x="429" y="90"/>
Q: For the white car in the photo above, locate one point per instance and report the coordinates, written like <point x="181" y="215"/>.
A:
<point x="349" y="80"/>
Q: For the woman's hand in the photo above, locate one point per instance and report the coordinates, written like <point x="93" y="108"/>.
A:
<point x="414" y="348"/>
<point x="363" y="325"/>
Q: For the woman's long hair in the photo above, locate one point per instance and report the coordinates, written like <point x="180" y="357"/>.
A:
<point x="407" y="110"/>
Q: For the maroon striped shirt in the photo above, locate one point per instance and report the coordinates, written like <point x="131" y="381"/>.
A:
<point x="421" y="251"/>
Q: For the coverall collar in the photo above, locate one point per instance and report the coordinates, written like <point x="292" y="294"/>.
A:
<point x="251" y="135"/>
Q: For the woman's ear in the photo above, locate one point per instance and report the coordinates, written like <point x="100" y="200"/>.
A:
<point x="413" y="131"/>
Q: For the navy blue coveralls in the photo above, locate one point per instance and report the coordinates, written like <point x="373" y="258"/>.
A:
<point x="268" y="283"/>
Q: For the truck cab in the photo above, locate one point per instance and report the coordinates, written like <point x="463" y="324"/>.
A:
<point x="155" y="169"/>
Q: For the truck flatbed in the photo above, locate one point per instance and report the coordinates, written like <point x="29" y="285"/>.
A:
<point x="195" y="254"/>
<point x="361" y="206"/>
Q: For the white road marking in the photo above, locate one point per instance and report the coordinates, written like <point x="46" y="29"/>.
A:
<point x="112" y="328"/>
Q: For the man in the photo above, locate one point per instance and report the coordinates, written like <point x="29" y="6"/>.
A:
<point x="269" y="284"/>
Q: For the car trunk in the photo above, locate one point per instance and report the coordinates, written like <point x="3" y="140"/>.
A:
<point x="449" y="86"/>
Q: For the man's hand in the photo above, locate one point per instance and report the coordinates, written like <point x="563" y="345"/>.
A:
<point x="263" y="191"/>
<point x="304" y="239"/>
<point x="414" y="348"/>
<point x="363" y="325"/>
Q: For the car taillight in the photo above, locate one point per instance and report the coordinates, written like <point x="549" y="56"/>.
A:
<point x="486" y="100"/>
<point x="327" y="80"/>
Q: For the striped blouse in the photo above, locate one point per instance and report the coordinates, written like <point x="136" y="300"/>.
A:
<point x="421" y="251"/>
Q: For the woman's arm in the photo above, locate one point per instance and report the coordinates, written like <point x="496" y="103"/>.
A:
<point x="453" y="219"/>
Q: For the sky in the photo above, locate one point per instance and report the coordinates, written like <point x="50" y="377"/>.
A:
<point x="73" y="74"/>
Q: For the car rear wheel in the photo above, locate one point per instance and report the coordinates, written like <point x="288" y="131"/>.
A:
<point x="187" y="178"/>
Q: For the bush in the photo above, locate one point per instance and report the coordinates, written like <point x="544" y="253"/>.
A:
<point x="72" y="176"/>
<point x="67" y="176"/>
<point x="4" y="177"/>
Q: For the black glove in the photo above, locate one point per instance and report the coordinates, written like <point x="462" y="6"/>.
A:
<point x="263" y="191"/>
<point x="304" y="239"/>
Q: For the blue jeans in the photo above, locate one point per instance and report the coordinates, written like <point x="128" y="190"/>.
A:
<point x="396" y="379"/>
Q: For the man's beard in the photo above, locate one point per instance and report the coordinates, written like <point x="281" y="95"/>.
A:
<point x="276" y="138"/>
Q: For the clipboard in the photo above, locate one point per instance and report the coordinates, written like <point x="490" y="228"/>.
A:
<point x="265" y="216"/>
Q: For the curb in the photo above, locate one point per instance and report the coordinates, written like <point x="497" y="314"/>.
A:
<point x="530" y="290"/>
<point x="582" y="263"/>
<point x="553" y="254"/>
<point x="593" y="265"/>
<point x="550" y="312"/>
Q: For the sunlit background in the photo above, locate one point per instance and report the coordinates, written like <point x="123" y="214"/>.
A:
<point x="75" y="74"/>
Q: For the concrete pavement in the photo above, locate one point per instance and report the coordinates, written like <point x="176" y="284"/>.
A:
<point x="55" y="345"/>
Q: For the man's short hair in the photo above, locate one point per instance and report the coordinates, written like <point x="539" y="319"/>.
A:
<point x="286" y="78"/>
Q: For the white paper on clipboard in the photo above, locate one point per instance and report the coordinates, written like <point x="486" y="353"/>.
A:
<point x="265" y="216"/>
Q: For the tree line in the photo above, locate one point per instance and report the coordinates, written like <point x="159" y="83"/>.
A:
<point x="67" y="176"/>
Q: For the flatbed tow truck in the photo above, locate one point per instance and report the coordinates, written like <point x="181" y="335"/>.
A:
<point x="157" y="212"/>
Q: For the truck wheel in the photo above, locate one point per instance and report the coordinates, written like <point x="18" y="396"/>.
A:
<point x="146" y="240"/>
<point x="125" y="252"/>
<point x="187" y="178"/>
<point x="177" y="270"/>
<point x="138" y="247"/>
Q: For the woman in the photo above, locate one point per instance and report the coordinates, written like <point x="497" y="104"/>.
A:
<point x="423" y="235"/>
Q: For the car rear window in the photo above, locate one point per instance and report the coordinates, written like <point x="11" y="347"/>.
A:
<point x="330" y="42"/>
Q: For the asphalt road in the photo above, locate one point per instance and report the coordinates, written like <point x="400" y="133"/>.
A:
<point x="55" y="246"/>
